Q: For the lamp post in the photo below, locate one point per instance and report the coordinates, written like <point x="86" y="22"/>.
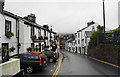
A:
<point x="104" y="14"/>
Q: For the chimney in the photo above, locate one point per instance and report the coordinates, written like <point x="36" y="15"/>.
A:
<point x="2" y="5"/>
<point x="31" y="18"/>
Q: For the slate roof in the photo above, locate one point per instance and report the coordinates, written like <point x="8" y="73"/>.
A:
<point x="25" y="20"/>
<point x="70" y="40"/>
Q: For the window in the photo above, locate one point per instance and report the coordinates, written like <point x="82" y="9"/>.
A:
<point x="78" y="35"/>
<point x="32" y="31"/>
<point x="32" y="45"/>
<point x="93" y="28"/>
<point x="7" y="26"/>
<point x="78" y="41"/>
<point x="39" y="32"/>
<point x="44" y="33"/>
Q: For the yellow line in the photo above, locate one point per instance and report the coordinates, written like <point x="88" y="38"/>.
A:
<point x="57" y="68"/>
<point x="105" y="62"/>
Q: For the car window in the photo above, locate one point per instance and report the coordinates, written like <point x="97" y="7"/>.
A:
<point x="30" y="57"/>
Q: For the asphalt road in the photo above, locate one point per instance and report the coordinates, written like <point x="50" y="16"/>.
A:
<point x="47" y="72"/>
<point x="76" y="64"/>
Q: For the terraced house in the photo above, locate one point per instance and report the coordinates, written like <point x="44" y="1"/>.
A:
<point x="82" y="39"/>
<point x="19" y="35"/>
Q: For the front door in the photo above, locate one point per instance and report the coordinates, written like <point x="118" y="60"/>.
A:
<point x="5" y="50"/>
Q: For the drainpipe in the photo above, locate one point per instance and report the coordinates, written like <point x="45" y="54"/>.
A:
<point x="17" y="25"/>
<point x="81" y="43"/>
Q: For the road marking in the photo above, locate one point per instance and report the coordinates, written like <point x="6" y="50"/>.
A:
<point x="58" y="67"/>
<point x="105" y="62"/>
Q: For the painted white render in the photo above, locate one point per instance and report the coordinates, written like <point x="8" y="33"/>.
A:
<point x="82" y="45"/>
<point x="42" y="43"/>
<point x="48" y="42"/>
<point x="12" y="67"/>
<point x="37" y="34"/>
<point x="70" y="45"/>
<point x="1" y="18"/>
<point x="42" y="32"/>
<point x="24" y="36"/>
<point x="13" y="40"/>
<point x="22" y="27"/>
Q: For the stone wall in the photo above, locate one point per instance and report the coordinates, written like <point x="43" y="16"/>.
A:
<point x="105" y="52"/>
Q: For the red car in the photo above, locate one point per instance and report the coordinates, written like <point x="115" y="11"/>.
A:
<point x="52" y="56"/>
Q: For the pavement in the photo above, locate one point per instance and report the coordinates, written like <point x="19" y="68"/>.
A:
<point x="81" y="65"/>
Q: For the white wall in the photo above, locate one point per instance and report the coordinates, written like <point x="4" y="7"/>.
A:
<point x="81" y="36"/>
<point x="25" y="36"/>
<point x="11" y="67"/>
<point x="1" y="30"/>
<point x="13" y="40"/>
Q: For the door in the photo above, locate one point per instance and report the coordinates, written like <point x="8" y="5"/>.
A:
<point x="5" y="50"/>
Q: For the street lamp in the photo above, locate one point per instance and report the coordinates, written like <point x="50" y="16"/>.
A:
<point x="104" y="14"/>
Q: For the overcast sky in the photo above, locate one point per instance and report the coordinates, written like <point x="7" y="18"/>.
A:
<point x="66" y="16"/>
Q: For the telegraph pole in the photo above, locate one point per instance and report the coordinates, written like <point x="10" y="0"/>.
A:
<point x="104" y="14"/>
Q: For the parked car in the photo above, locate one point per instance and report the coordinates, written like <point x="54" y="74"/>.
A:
<point x="31" y="62"/>
<point x="41" y="54"/>
<point x="52" y="56"/>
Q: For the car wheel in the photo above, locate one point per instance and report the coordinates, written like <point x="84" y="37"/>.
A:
<point x="29" y="69"/>
<point x="51" y="60"/>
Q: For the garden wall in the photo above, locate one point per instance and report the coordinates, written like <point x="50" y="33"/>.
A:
<point x="105" y="52"/>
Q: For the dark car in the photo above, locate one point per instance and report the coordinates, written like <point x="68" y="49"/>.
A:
<point x="44" y="57"/>
<point x="31" y="62"/>
<point x="52" y="56"/>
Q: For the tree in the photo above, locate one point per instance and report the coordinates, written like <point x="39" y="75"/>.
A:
<point x="100" y="28"/>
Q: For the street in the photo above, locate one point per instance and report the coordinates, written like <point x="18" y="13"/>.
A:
<point x="75" y="64"/>
<point x="48" y="71"/>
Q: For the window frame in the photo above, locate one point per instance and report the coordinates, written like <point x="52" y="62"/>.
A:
<point x="10" y="26"/>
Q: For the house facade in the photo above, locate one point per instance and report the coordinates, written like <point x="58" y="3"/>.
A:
<point x="19" y="35"/>
<point x="8" y="34"/>
<point x="83" y="39"/>
<point x="70" y="45"/>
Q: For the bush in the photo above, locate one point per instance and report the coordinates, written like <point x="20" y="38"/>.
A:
<point x="9" y="34"/>
<point x="95" y="36"/>
<point x="116" y="31"/>
<point x="29" y="49"/>
<point x="40" y="37"/>
<point x="12" y="49"/>
<point x="33" y="37"/>
<point x="45" y="38"/>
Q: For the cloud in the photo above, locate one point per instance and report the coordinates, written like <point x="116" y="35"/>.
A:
<point x="61" y="0"/>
